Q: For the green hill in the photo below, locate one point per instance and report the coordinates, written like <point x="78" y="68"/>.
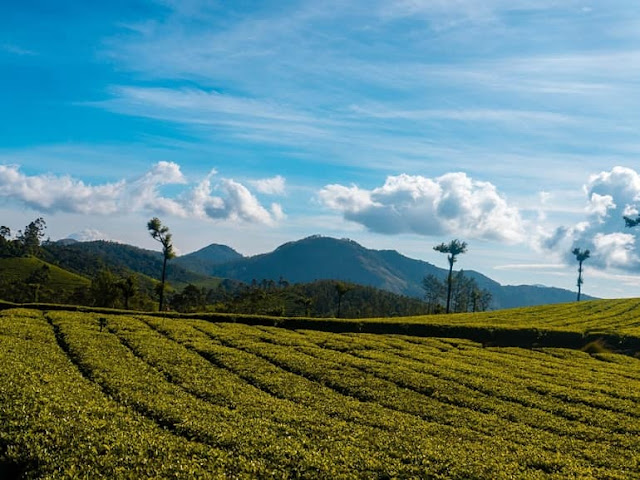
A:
<point x="97" y="395"/>
<point x="206" y="259"/>
<point x="87" y="258"/>
<point x="317" y="258"/>
<point x="59" y="286"/>
<point x="616" y="323"/>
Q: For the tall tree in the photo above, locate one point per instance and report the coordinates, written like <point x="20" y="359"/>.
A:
<point x="581" y="256"/>
<point x="129" y="288"/>
<point x="29" y="240"/>
<point x="435" y="292"/>
<point x="6" y="245"/>
<point x="341" y="289"/>
<point x="105" y="291"/>
<point x="37" y="279"/>
<point x="453" y="248"/>
<point x="161" y="233"/>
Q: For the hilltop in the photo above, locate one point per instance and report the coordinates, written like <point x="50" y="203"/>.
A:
<point x="317" y="257"/>
<point x="86" y="258"/>
<point x="19" y="279"/>
<point x="299" y="262"/>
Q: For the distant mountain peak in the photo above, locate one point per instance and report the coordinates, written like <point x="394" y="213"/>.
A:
<point x="216" y="248"/>
<point x="319" y="257"/>
<point x="203" y="261"/>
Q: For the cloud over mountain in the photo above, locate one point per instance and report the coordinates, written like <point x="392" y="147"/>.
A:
<point x="450" y="204"/>
<point x="50" y="193"/>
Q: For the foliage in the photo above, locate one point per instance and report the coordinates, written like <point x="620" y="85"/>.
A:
<point x="129" y="288"/>
<point x="37" y="279"/>
<point x="105" y="289"/>
<point x="453" y="248"/>
<point x="316" y="299"/>
<point x="26" y="242"/>
<point x="191" y="299"/>
<point x="105" y="396"/>
<point x="28" y="279"/>
<point x="161" y="233"/>
<point x="466" y="296"/>
<point x="581" y="256"/>
<point x="85" y="258"/>
<point x="29" y="239"/>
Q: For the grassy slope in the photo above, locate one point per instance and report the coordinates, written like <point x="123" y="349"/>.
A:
<point x="184" y="398"/>
<point x="569" y="325"/>
<point x="18" y="269"/>
<point x="619" y="317"/>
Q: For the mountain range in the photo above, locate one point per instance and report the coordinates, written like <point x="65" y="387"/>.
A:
<point x="317" y="258"/>
<point x="306" y="260"/>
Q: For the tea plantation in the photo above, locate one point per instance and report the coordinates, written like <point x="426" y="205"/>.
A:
<point x="97" y="395"/>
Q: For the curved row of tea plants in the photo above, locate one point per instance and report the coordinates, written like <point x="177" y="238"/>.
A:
<point x="131" y="396"/>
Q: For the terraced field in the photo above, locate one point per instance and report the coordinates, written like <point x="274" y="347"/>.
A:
<point x="92" y="395"/>
<point x="616" y="317"/>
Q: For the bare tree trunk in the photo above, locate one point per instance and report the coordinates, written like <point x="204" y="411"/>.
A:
<point x="449" y="282"/>
<point x="579" y="280"/>
<point x="164" y="270"/>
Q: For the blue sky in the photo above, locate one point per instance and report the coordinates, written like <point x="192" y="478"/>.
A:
<point x="512" y="125"/>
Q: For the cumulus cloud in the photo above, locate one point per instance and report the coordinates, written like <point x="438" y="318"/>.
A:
<point x="238" y="203"/>
<point x="271" y="186"/>
<point x="610" y="195"/>
<point x="450" y="204"/>
<point x="50" y="193"/>
<point x="89" y="235"/>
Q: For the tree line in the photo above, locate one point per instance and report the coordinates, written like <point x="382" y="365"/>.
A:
<point x="457" y="293"/>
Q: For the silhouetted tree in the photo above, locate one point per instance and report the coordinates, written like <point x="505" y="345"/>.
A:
<point x="631" y="222"/>
<point x="37" y="279"/>
<point x="581" y="256"/>
<point x="191" y="299"/>
<point x="341" y="289"/>
<point x="6" y="245"/>
<point x="434" y="292"/>
<point x="29" y="240"/>
<point x="128" y="286"/>
<point x="453" y="248"/>
<point x="161" y="233"/>
<point x="105" y="290"/>
<point x="307" y="304"/>
<point x="467" y="296"/>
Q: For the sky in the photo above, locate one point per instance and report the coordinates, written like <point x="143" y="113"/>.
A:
<point x="509" y="124"/>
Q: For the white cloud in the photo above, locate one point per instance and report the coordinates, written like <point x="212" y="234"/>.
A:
<point x="270" y="186"/>
<point x="451" y="204"/>
<point x="89" y="235"/>
<point x="609" y="196"/>
<point x="196" y="105"/>
<point x="277" y="212"/>
<point x="50" y="193"/>
<point x="616" y="249"/>
<point x="143" y="194"/>
<point x="239" y="204"/>
<point x="501" y="116"/>
<point x="531" y="266"/>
